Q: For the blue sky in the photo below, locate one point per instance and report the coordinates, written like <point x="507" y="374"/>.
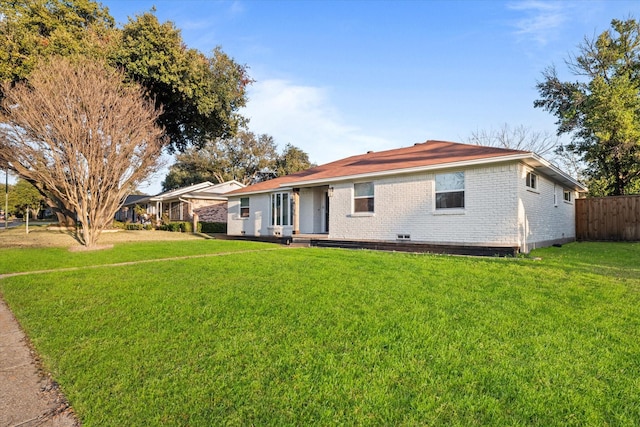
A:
<point x="338" y="78"/>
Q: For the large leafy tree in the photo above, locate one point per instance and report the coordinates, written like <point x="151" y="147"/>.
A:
<point x="23" y="196"/>
<point x="292" y="160"/>
<point x="247" y="158"/>
<point x="82" y="136"/>
<point x="241" y="158"/>
<point x="34" y="29"/>
<point x="601" y="109"/>
<point x="200" y="95"/>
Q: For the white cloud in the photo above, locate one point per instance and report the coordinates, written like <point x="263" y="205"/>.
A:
<point x="542" y="19"/>
<point x="305" y="117"/>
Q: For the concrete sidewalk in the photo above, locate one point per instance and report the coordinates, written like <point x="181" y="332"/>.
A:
<point x="27" y="397"/>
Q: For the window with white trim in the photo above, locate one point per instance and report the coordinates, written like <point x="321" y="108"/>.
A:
<point x="532" y="180"/>
<point x="363" y="200"/>
<point x="567" y="195"/>
<point x="244" y="207"/>
<point x="450" y="190"/>
<point x="281" y="212"/>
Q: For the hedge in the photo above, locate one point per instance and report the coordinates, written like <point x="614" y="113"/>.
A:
<point x="212" y="227"/>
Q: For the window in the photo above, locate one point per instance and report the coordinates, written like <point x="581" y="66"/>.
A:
<point x="450" y="190"/>
<point x="532" y="180"/>
<point x="281" y="212"/>
<point x="567" y="195"/>
<point x="363" y="197"/>
<point x="244" y="207"/>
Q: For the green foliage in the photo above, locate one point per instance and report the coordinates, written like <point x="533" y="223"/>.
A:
<point x="326" y="337"/>
<point x="200" y="95"/>
<point x="241" y="158"/>
<point x="246" y="158"/>
<point x="602" y="111"/>
<point x="119" y="225"/>
<point x="23" y="195"/>
<point x="180" y="227"/>
<point x="292" y="160"/>
<point x="34" y="29"/>
<point x="134" y="226"/>
<point x="212" y="227"/>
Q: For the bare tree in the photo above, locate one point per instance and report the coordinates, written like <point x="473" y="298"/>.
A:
<point x="516" y="138"/>
<point x="83" y="136"/>
<point x="545" y="144"/>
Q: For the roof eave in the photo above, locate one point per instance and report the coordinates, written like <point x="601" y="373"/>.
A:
<point x="529" y="158"/>
<point x="427" y="168"/>
<point x="554" y="172"/>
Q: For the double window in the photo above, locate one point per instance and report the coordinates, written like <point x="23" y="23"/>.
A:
<point x="567" y="195"/>
<point x="450" y="190"/>
<point x="244" y="207"/>
<point x="363" y="197"/>
<point x="281" y="212"/>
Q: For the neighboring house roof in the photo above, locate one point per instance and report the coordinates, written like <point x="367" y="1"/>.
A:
<point x="419" y="157"/>
<point x="202" y="190"/>
<point x="133" y="199"/>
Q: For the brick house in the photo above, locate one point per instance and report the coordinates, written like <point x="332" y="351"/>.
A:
<point x="205" y="199"/>
<point x="437" y="192"/>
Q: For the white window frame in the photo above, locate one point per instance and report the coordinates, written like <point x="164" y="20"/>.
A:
<point x="247" y="207"/>
<point x="456" y="190"/>
<point x="370" y="206"/>
<point x="531" y="180"/>
<point x="281" y="207"/>
<point x="566" y="195"/>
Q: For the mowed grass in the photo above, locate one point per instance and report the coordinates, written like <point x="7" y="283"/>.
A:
<point x="14" y="260"/>
<point x="338" y="337"/>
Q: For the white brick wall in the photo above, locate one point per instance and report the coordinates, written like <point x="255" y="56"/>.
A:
<point x="406" y="205"/>
<point x="543" y="221"/>
<point x="499" y="211"/>
<point x="258" y="223"/>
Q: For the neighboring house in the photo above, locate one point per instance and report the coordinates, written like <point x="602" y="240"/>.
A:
<point x="437" y="192"/>
<point x="205" y="199"/>
<point x="127" y="212"/>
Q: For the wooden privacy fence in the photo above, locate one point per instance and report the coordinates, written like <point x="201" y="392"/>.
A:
<point x="608" y="218"/>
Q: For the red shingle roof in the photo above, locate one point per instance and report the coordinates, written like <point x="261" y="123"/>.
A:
<point x="430" y="153"/>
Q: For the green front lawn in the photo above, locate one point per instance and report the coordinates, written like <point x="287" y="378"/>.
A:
<point x="326" y="337"/>
<point x="29" y="259"/>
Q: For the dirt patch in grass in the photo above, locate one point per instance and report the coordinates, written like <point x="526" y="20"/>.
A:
<point x="44" y="236"/>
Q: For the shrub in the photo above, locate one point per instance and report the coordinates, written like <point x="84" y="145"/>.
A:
<point x="212" y="227"/>
<point x="134" y="226"/>
<point x="118" y="224"/>
<point x="184" y="227"/>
